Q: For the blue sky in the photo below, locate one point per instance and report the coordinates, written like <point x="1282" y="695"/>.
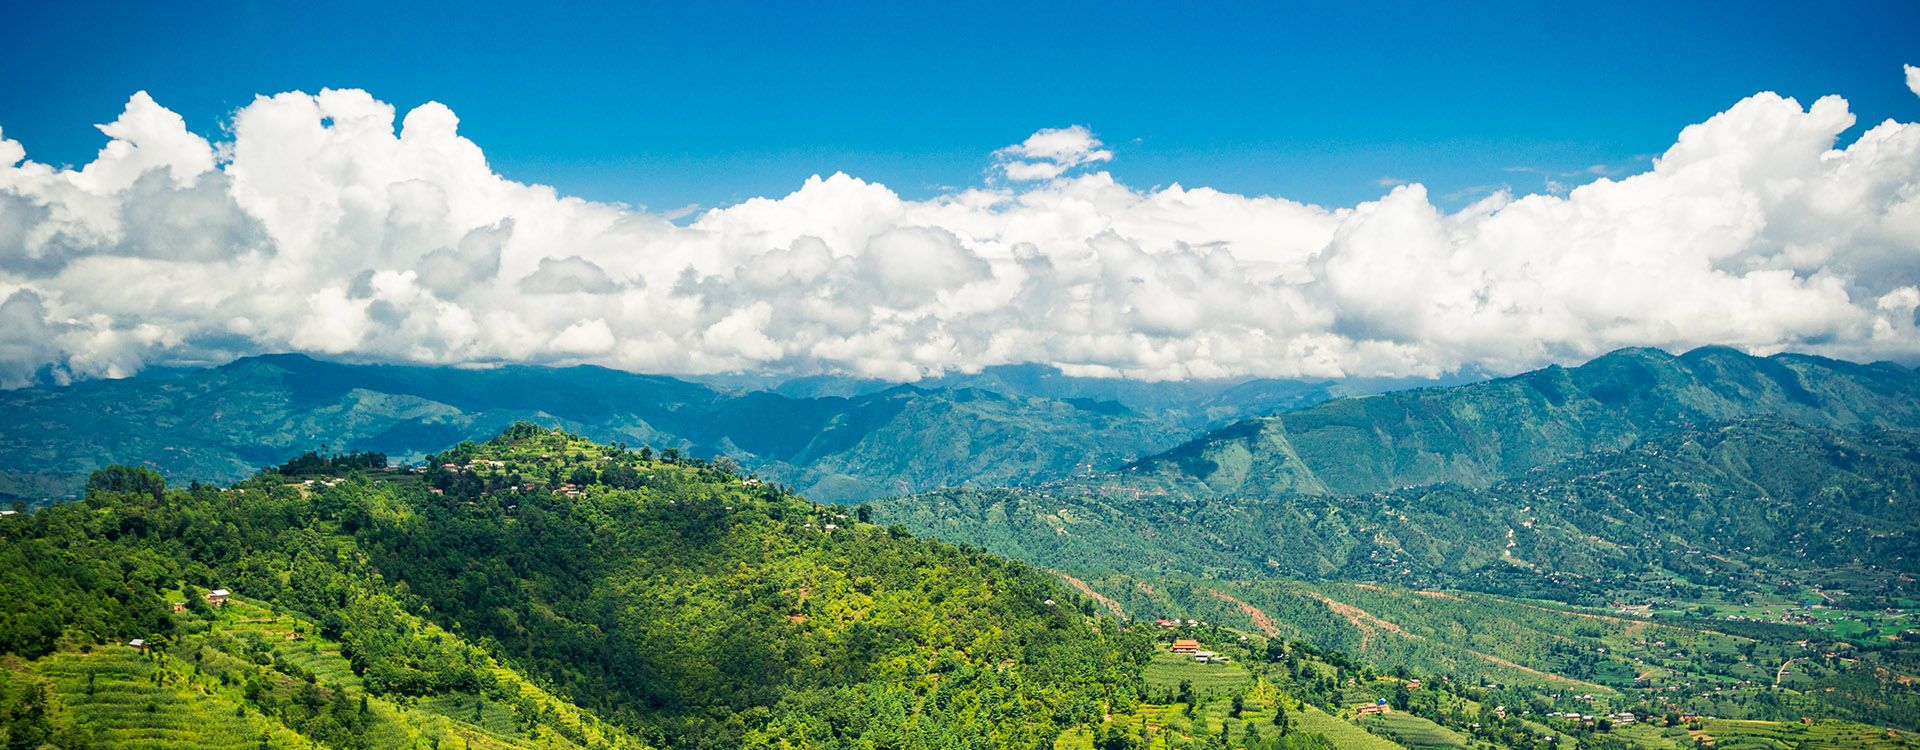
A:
<point x="309" y="224"/>
<point x="675" y="105"/>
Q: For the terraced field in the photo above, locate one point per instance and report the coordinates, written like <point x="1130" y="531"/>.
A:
<point x="1167" y="670"/>
<point x="1414" y="732"/>
<point x="1343" y="734"/>
<point x="208" y="687"/>
<point x="1767" y="735"/>
<point x="1169" y="726"/>
<point x="130" y="700"/>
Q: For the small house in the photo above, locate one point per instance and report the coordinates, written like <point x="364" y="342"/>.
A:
<point x="218" y="597"/>
<point x="1186" y="646"/>
<point x="138" y="644"/>
<point x="1378" y="707"/>
<point x="179" y="606"/>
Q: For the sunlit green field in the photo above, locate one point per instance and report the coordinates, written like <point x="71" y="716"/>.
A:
<point x="1413" y="731"/>
<point x="1168" y="669"/>
<point x="129" y="700"/>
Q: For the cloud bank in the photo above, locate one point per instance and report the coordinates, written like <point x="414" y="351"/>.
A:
<point x="321" y="228"/>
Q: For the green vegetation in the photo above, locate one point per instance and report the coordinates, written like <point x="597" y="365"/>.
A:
<point x="676" y="603"/>
<point x="1006" y="425"/>
<point x="1644" y="552"/>
<point x="1753" y="519"/>
<point x="1291" y="695"/>
<point x="245" y="675"/>
<point x="1542" y="655"/>
<point x="1727" y="510"/>
<point x="1476" y="434"/>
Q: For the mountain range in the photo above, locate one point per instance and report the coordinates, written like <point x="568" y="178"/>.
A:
<point x="1707" y="533"/>
<point x="1001" y="426"/>
<point x="1639" y="469"/>
<point x="1478" y="433"/>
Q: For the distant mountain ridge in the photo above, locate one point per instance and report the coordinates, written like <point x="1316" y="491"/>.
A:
<point x="1640" y="471"/>
<point x="1742" y="505"/>
<point x="223" y="423"/>
<point x="1476" y="434"/>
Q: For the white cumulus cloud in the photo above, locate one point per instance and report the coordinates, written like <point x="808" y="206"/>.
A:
<point x="325" y="226"/>
<point x="1050" y="152"/>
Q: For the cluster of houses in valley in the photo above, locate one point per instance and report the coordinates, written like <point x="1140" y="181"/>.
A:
<point x="215" y="598"/>
<point x="1191" y="648"/>
<point x="1618" y="719"/>
<point x="475" y="465"/>
<point x="1377" y="708"/>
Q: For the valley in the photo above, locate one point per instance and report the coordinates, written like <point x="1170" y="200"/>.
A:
<point x="833" y="439"/>
<point x="1718" y="545"/>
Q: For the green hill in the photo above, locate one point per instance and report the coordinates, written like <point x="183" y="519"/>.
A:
<point x="247" y="676"/>
<point x="671" y="602"/>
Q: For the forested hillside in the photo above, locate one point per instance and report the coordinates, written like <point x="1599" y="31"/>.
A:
<point x="1750" y="505"/>
<point x="1740" y="533"/>
<point x="1476" y="434"/>
<point x="1771" y="658"/>
<point x="1005" y="426"/>
<point x="678" y="603"/>
<point x="540" y="590"/>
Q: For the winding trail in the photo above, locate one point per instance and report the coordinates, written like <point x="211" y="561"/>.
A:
<point x="1369" y="625"/>
<point x="1362" y="619"/>
<point x="1260" y="619"/>
<point x="1105" y="601"/>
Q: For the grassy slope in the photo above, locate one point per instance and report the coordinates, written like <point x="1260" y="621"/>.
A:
<point x="127" y="708"/>
<point x="1557" y="648"/>
<point x="191" y="693"/>
<point x="1414" y="732"/>
<point x="1214" y="686"/>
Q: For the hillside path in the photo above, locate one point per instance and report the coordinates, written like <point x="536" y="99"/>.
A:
<point x="1104" y="600"/>
<point x="1260" y="619"/>
<point x="1369" y="624"/>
